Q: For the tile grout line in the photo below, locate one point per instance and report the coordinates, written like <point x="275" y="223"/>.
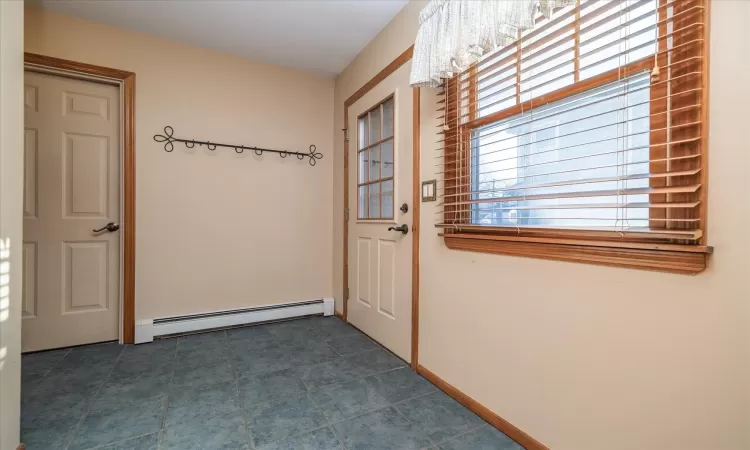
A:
<point x="329" y="424"/>
<point x="315" y="333"/>
<point x="415" y="397"/>
<point x="274" y="337"/>
<point x="163" y="429"/>
<point x="398" y="411"/>
<point x="442" y="441"/>
<point x="341" y="441"/>
<point x="363" y="413"/>
<point x="485" y="424"/>
<point x="57" y="361"/>
<point x="93" y="398"/>
<point x="367" y="336"/>
<point x="332" y="423"/>
<point x="364" y="377"/>
<point x="48" y="371"/>
<point x="353" y="378"/>
<point x="240" y="397"/>
<point x="122" y="440"/>
<point x="312" y="430"/>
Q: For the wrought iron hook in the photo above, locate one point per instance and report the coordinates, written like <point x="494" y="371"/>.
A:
<point x="314" y="155"/>
<point x="168" y="139"/>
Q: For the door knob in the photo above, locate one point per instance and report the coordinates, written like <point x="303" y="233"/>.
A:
<point x="110" y="227"/>
<point x="403" y="229"/>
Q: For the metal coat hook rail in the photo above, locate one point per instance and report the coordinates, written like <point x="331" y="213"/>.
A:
<point x="169" y="140"/>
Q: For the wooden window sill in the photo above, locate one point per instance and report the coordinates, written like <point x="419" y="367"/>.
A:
<point x="685" y="259"/>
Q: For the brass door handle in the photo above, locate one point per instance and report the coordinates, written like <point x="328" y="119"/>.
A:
<point x="110" y="227"/>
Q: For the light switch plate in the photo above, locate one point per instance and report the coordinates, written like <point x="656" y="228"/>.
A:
<point x="429" y="191"/>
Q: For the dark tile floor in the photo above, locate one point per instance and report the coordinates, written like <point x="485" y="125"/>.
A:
<point x="313" y="384"/>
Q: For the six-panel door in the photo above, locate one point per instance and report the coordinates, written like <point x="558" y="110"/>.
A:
<point x="71" y="281"/>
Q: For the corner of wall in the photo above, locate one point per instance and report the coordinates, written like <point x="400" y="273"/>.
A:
<point x="11" y="219"/>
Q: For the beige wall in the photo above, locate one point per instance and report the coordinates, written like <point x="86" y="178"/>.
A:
<point x="216" y="230"/>
<point x="11" y="218"/>
<point x="588" y="357"/>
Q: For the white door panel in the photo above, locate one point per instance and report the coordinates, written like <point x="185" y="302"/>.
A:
<point x="72" y="186"/>
<point x="379" y="259"/>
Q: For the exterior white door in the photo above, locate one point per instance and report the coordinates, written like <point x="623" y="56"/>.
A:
<point x="71" y="274"/>
<point x="380" y="181"/>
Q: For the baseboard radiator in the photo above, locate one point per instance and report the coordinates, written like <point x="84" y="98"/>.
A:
<point x="147" y="329"/>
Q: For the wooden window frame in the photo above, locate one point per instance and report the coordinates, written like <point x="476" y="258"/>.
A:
<point x="569" y="245"/>
<point x="379" y="181"/>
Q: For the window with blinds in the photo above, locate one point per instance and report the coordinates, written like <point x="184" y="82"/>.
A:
<point x="591" y="126"/>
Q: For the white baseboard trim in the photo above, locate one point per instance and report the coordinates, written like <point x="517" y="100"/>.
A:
<point x="146" y="329"/>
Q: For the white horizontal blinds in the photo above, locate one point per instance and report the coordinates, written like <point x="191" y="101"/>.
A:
<point x="375" y="162"/>
<point x="573" y="128"/>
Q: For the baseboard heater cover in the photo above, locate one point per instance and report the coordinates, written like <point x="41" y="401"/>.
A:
<point x="147" y="329"/>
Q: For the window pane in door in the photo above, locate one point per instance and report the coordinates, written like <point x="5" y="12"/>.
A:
<point x="362" y="132"/>
<point x="363" y="166"/>
<point x="362" y="202"/>
<point x="375" y="162"/>
<point x="387" y="187"/>
<point x="388" y="118"/>
<point x="387" y="155"/>
<point x="375" y="125"/>
<point x="374" y="204"/>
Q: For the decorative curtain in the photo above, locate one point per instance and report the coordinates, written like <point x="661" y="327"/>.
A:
<point x="453" y="34"/>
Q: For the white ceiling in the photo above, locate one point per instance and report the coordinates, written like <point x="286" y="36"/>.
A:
<point x="318" y="36"/>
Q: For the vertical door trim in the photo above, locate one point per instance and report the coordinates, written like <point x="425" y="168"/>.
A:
<point x="126" y="81"/>
<point x="367" y="87"/>
<point x="416" y="202"/>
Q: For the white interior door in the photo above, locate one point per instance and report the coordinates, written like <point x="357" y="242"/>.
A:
<point x="380" y="181"/>
<point x="71" y="276"/>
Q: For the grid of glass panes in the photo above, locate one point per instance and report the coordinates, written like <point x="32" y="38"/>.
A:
<point x="375" y="162"/>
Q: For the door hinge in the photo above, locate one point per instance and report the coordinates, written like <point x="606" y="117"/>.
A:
<point x="346" y="293"/>
<point x="346" y="133"/>
<point x="346" y="214"/>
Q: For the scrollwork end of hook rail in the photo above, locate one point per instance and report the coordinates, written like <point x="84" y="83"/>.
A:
<point x="168" y="139"/>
